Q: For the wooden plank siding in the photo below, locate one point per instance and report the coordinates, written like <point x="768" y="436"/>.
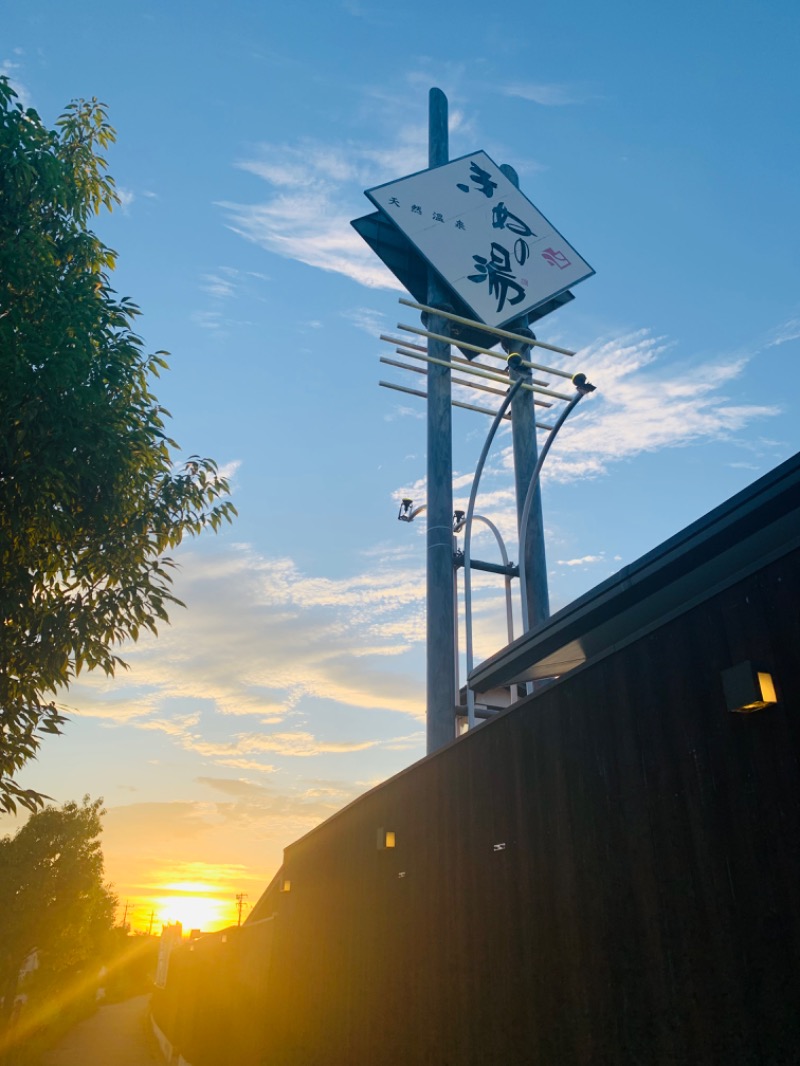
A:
<point x="644" y="909"/>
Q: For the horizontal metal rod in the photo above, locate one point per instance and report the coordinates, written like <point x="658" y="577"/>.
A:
<point x="474" y="407"/>
<point x="512" y="570"/>
<point x="479" y="372"/>
<point x="454" y="358"/>
<point x="486" y="329"/>
<point x="469" y="368"/>
<point x="482" y="351"/>
<point x="454" y="403"/>
<point x="403" y="388"/>
<point x="490" y="374"/>
<point x="455" y="381"/>
<point x="480" y="712"/>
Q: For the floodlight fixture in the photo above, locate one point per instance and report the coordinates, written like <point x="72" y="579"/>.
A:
<point x="748" y="688"/>
<point x="582" y="385"/>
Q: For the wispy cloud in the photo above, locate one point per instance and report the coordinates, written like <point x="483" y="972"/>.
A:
<point x="314" y="229"/>
<point x="787" y="331"/>
<point x="261" y="639"/>
<point x="239" y="832"/>
<point x="547" y="94"/>
<point x="224" y="285"/>
<point x="234" y="786"/>
<point x="585" y="560"/>
<point x="207" y="319"/>
<point x="126" y="198"/>
<point x="645" y="403"/>
<point x="9" y="69"/>
<point x="314" y="190"/>
<point x="366" y="319"/>
<point x="218" y="285"/>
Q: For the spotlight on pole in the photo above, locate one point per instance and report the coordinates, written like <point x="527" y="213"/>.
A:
<point x="582" y="385"/>
<point x="406" y="507"/>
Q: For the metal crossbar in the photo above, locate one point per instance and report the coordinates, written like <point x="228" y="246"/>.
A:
<point x="481" y="351"/>
<point x="486" y="329"/>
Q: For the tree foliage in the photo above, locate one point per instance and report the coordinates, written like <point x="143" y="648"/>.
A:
<point x="52" y="896"/>
<point x="91" y="500"/>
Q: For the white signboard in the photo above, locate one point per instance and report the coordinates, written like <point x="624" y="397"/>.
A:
<point x="484" y="237"/>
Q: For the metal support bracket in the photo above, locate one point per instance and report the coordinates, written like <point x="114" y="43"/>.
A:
<point x="512" y="570"/>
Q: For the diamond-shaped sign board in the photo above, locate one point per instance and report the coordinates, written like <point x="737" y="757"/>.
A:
<point x="491" y="246"/>
<point x="411" y="270"/>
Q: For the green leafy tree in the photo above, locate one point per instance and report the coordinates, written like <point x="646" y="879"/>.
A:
<point x="52" y="896"/>
<point x="91" y="499"/>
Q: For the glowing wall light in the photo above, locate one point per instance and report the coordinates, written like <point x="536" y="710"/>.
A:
<point x="386" y="839"/>
<point x="747" y="688"/>
<point x="286" y="886"/>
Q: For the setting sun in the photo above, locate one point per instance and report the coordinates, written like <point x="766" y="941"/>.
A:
<point x="199" y="904"/>
<point x="199" y="895"/>
<point x="205" y="912"/>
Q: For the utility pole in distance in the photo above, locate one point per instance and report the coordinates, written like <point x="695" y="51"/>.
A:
<point x="240" y="898"/>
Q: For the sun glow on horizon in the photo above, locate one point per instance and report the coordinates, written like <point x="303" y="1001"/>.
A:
<point x="199" y="895"/>
<point x="191" y="888"/>
<point x="195" y="905"/>
<point x="194" y="911"/>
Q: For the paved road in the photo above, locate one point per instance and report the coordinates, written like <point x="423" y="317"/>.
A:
<point x="116" y="1035"/>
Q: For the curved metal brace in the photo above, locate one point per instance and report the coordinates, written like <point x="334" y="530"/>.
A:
<point x="467" y="544"/>
<point x="504" y="556"/>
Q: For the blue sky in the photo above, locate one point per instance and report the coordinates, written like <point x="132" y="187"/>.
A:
<point x="660" y="141"/>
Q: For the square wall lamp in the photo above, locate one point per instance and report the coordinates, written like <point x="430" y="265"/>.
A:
<point x="747" y="688"/>
<point x="386" y="839"/>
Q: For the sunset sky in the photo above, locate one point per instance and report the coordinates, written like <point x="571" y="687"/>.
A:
<point x="660" y="140"/>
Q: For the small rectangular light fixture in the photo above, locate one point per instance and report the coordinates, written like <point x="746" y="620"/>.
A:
<point x="386" y="839"/>
<point x="747" y="688"/>
<point x="767" y="686"/>
<point x="286" y="886"/>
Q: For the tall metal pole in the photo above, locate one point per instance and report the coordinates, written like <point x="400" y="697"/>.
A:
<point x="523" y="428"/>
<point x="583" y="389"/>
<point x="441" y="637"/>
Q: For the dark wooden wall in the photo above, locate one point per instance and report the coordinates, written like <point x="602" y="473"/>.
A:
<point x="644" y="906"/>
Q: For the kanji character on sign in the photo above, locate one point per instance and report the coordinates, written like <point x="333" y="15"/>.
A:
<point x="498" y="270"/>
<point x="482" y="178"/>
<point x="394" y="202"/>
<point x="503" y="219"/>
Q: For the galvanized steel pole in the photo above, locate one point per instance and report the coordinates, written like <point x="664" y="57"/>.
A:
<point x="523" y="426"/>
<point x="441" y="632"/>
